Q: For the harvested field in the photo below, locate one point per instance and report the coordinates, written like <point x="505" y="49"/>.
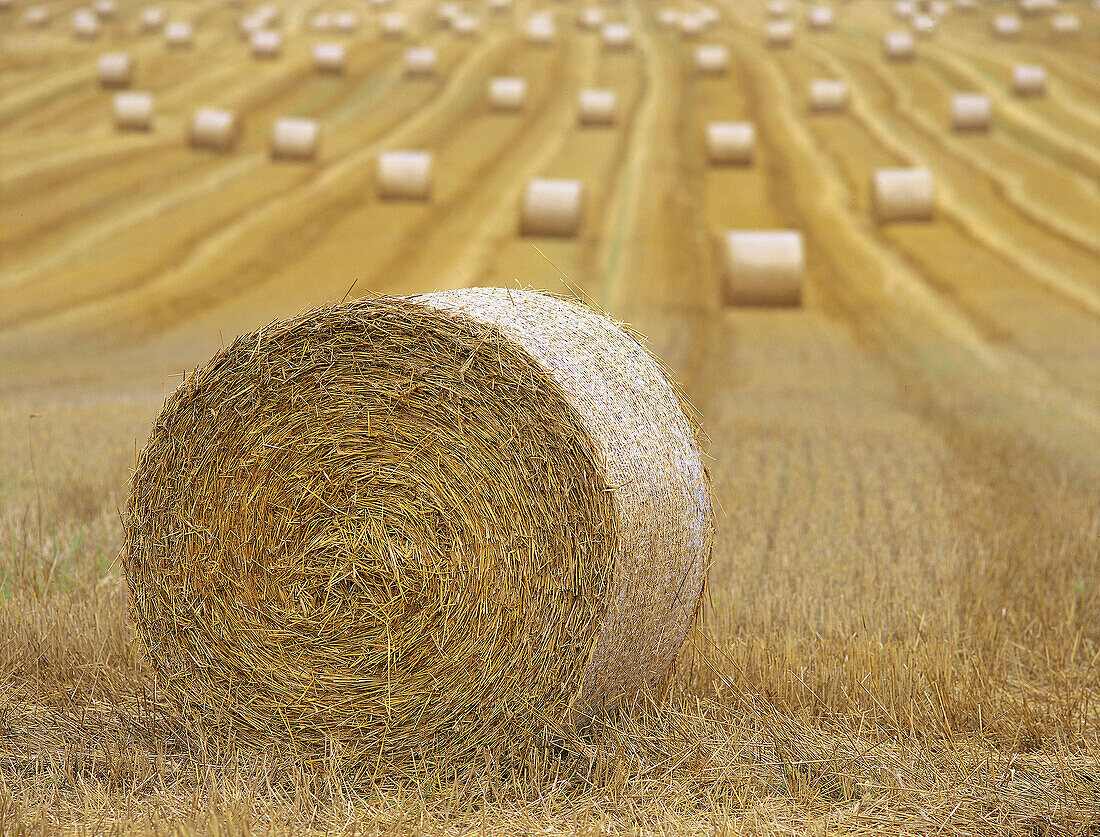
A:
<point x="901" y="632"/>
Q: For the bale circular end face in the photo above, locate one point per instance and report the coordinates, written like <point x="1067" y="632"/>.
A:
<point x="903" y="195"/>
<point x="763" y="267"/>
<point x="552" y="207"/>
<point x="416" y="528"/>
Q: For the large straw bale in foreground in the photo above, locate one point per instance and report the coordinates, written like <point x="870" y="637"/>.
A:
<point x="418" y="527"/>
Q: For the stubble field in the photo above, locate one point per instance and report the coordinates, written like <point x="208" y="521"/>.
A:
<point x="902" y="631"/>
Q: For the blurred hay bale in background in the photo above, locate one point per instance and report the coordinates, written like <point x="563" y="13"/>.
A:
<point x="408" y="528"/>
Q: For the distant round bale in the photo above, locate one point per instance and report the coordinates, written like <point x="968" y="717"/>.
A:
<point x="115" y="69"/>
<point x="152" y="19"/>
<point x="507" y="93"/>
<point x="499" y="6"/>
<point x="539" y="30"/>
<point x="179" y="34"/>
<point x="829" y="95"/>
<point x="1065" y="24"/>
<point x="924" y="25"/>
<point x="421" y="62"/>
<point x="966" y="5"/>
<point x="405" y="175"/>
<point x="551" y="207"/>
<point x="36" y="17"/>
<point x="617" y="36"/>
<point x="267" y="43"/>
<point x="330" y="58"/>
<point x="466" y="26"/>
<point x="293" y="138"/>
<point x="105" y="9"/>
<point x="85" y="25"/>
<point x="971" y="111"/>
<point x="777" y="8"/>
<point x="903" y="194"/>
<point x="446" y="12"/>
<point x="905" y="9"/>
<point x="1029" y="80"/>
<point x="821" y="17"/>
<point x="393" y="25"/>
<point x="399" y="532"/>
<point x="214" y="129"/>
<point x="668" y="17"/>
<point x="763" y="267"/>
<point x="709" y="15"/>
<point x="347" y="23"/>
<point x="590" y="17"/>
<point x="898" y="46"/>
<point x="779" y="33"/>
<point x="691" y="26"/>
<point x="712" y="59"/>
<point x="730" y="143"/>
<point x="321" y="22"/>
<point x="596" y="106"/>
<point x="1006" y="26"/>
<point x="133" y="110"/>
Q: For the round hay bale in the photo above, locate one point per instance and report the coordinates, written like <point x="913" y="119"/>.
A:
<point x="499" y="6"/>
<point x="393" y="25"/>
<point x="346" y="23"/>
<point x="905" y="9"/>
<point x="691" y="26"/>
<point x="37" y="17"/>
<point x="1029" y="80"/>
<point x="898" y="46"/>
<point x="966" y="5"/>
<point x="105" y="9"/>
<point x="293" y="138"/>
<point x="730" y="143"/>
<point x="779" y="33"/>
<point x="924" y="25"/>
<point x="552" y="207"/>
<point x="1006" y="26"/>
<point x="709" y="15"/>
<point x="763" y="267"/>
<point x="466" y="26"/>
<point x="215" y="129"/>
<point x="179" y="34"/>
<point x="445" y="14"/>
<point x="821" y="18"/>
<point x="320" y="22"/>
<point x="330" y="58"/>
<point x="507" y="93"/>
<point x="405" y="175"/>
<point x="404" y="530"/>
<point x="152" y="20"/>
<point x="420" y="62"/>
<point x="596" y="106"/>
<point x="939" y="9"/>
<point x="539" y="30"/>
<point x="267" y="44"/>
<point x="829" y="95"/>
<point x="1065" y="24"/>
<point x="777" y="8"/>
<point x="903" y="195"/>
<point x="712" y="59"/>
<point x="971" y="111"/>
<point x="249" y="25"/>
<point x="590" y="18"/>
<point x="115" y="70"/>
<point x="668" y="17"/>
<point x="617" y="37"/>
<point x="133" y="110"/>
<point x="85" y="25"/>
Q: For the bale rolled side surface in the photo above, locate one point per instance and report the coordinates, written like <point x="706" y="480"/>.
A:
<point x="418" y="527"/>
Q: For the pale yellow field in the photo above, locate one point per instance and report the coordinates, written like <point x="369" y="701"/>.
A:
<point x="903" y="631"/>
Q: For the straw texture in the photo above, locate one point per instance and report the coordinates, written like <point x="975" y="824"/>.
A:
<point x="404" y="529"/>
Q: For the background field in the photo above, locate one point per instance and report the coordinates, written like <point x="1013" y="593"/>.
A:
<point x="903" y="630"/>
